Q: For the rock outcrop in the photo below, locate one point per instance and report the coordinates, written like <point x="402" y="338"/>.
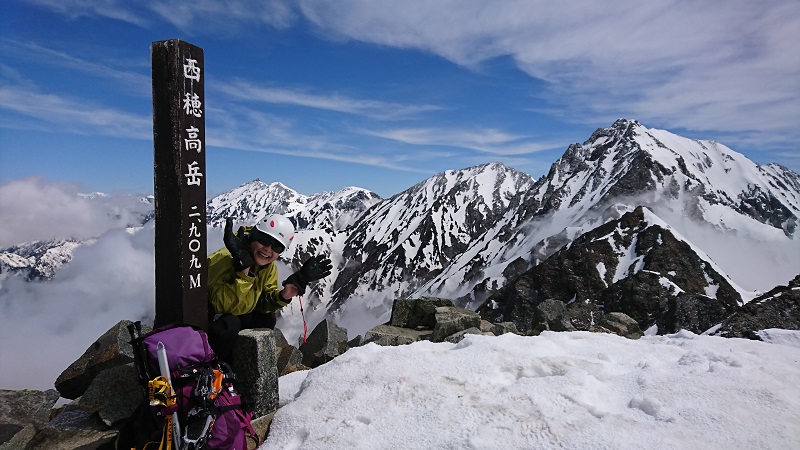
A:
<point x="437" y="320"/>
<point x="22" y="413"/>
<point x="778" y="308"/>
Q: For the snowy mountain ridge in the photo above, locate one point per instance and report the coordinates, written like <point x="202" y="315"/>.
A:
<point x="706" y="193"/>
<point x="464" y="234"/>
<point x="414" y="235"/>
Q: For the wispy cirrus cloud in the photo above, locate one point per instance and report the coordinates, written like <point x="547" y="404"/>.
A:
<point x="228" y="16"/>
<point x="308" y="98"/>
<point x="133" y="75"/>
<point x="237" y="128"/>
<point x="248" y="129"/>
<point x="488" y="140"/>
<point x="70" y="114"/>
<point x="726" y="71"/>
<point x="111" y="9"/>
<point x="214" y="16"/>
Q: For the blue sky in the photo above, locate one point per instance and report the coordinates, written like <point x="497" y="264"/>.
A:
<point x="321" y="95"/>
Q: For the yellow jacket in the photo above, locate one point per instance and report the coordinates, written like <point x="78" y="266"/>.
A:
<point x="235" y="293"/>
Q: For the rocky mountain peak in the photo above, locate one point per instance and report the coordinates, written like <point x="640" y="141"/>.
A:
<point x="649" y="166"/>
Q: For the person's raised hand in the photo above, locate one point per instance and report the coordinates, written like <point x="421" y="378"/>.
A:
<point x="237" y="244"/>
<point x="313" y="269"/>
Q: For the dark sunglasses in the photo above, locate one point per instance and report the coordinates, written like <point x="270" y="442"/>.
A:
<point x="269" y="241"/>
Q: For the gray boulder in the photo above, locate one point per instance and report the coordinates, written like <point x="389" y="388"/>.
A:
<point x="111" y="349"/>
<point x="553" y="314"/>
<point x="432" y="319"/>
<point x="621" y="324"/>
<point x="256" y="368"/>
<point x="20" y="440"/>
<point x="458" y="336"/>
<point x="290" y="359"/>
<point x="325" y="342"/>
<point x="497" y="329"/>
<point x="114" y="394"/>
<point x="417" y="313"/>
<point x="356" y="341"/>
<point x="451" y="320"/>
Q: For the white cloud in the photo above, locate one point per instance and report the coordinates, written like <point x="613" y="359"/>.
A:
<point x="726" y="68"/>
<point x="685" y="64"/>
<point x="101" y="67"/>
<point x="762" y="257"/>
<point x="33" y="209"/>
<point x="107" y="281"/>
<point x="242" y="128"/>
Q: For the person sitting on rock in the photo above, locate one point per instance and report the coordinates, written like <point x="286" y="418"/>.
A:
<point x="243" y="280"/>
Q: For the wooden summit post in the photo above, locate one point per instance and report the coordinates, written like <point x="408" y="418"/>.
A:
<point x="180" y="188"/>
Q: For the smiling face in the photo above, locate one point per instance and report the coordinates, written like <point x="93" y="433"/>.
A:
<point x="262" y="254"/>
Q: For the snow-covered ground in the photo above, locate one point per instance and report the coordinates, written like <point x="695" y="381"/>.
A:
<point x="576" y="390"/>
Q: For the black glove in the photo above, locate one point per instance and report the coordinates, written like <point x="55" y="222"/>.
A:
<point x="313" y="269"/>
<point x="238" y="246"/>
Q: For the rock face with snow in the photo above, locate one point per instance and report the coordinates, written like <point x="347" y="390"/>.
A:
<point x="634" y="265"/>
<point x="250" y="202"/>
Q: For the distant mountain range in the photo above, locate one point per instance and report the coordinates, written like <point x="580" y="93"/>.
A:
<point x="253" y="201"/>
<point x="629" y="208"/>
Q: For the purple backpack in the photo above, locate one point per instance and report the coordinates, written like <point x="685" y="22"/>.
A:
<point x="190" y="398"/>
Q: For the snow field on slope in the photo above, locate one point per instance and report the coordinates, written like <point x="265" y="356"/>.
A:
<point x="557" y="390"/>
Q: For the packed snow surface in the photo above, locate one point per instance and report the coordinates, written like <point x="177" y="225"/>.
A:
<point x="576" y="390"/>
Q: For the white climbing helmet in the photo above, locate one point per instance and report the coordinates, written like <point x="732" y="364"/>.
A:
<point x="277" y="226"/>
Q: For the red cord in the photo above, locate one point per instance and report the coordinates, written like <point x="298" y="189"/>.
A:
<point x="305" y="327"/>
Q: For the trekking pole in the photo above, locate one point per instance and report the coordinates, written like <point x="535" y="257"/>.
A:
<point x="163" y="366"/>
